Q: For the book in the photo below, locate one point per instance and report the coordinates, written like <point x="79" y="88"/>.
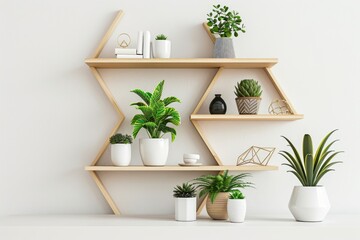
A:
<point x="140" y="43"/>
<point x="126" y="51"/>
<point x="128" y="56"/>
<point x="147" y="39"/>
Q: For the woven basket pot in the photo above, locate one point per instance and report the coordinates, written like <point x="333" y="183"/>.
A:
<point x="248" y="105"/>
<point x="218" y="209"/>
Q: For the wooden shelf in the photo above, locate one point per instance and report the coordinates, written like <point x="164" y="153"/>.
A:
<point x="176" y="168"/>
<point x="182" y="63"/>
<point x="237" y="117"/>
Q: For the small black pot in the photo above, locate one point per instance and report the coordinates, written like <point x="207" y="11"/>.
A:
<point x="217" y="105"/>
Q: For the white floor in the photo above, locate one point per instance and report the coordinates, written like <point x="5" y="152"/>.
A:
<point x="101" y="227"/>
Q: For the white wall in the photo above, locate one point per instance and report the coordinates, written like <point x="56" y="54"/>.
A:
<point x="54" y="116"/>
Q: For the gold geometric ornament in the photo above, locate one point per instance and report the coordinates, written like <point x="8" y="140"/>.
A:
<point x="256" y="155"/>
<point x="279" y="107"/>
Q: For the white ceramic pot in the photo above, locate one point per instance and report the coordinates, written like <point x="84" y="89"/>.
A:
<point x="236" y="209"/>
<point x="154" y="151"/>
<point x="121" y="154"/>
<point x="162" y="49"/>
<point x="309" y="204"/>
<point x="185" y="209"/>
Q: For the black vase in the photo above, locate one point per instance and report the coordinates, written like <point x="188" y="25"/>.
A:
<point x="217" y="105"/>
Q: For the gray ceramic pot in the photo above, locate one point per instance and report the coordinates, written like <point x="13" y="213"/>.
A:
<point x="224" y="48"/>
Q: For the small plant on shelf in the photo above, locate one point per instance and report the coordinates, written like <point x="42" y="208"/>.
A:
<point x="121" y="149"/>
<point x="225" y="22"/>
<point x="248" y="96"/>
<point x="236" y="206"/>
<point x="217" y="187"/>
<point x="186" y="190"/>
<point x="155" y="117"/>
<point x="120" y="138"/>
<point x="236" y="194"/>
<point x="161" y="37"/>
<point x="185" y="202"/>
<point x="309" y="168"/>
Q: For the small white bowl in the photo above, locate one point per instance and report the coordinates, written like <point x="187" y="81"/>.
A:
<point x="191" y="156"/>
<point x="190" y="160"/>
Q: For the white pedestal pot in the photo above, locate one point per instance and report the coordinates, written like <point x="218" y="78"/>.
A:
<point x="121" y="154"/>
<point x="236" y="209"/>
<point x="309" y="204"/>
<point x="154" y="151"/>
<point x="185" y="209"/>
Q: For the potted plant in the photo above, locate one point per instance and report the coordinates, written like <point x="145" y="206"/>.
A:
<point x="309" y="202"/>
<point x="185" y="202"/>
<point x="121" y="149"/>
<point x="248" y="93"/>
<point x="162" y="47"/>
<point x="217" y="187"/>
<point x="225" y="23"/>
<point x="154" y="118"/>
<point x="236" y="206"/>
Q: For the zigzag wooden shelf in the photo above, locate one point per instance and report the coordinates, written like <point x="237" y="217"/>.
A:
<point x="189" y="63"/>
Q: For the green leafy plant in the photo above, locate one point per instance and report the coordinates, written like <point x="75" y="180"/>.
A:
<point x="155" y="113"/>
<point x="161" y="37"/>
<point x="214" y="184"/>
<point x="224" y="22"/>
<point x="248" y="88"/>
<point x="236" y="194"/>
<point x="120" y="138"/>
<point x="312" y="166"/>
<point x="186" y="190"/>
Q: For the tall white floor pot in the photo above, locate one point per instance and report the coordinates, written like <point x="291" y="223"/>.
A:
<point x="185" y="209"/>
<point x="236" y="209"/>
<point x="309" y="204"/>
<point x="120" y="154"/>
<point x="162" y="49"/>
<point x="154" y="151"/>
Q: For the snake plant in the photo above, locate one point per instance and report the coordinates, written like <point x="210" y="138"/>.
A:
<point x="311" y="167"/>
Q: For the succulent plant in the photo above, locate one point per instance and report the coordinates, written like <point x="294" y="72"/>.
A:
<point x="161" y="37"/>
<point x="120" y="138"/>
<point x="311" y="167"/>
<point x="186" y="190"/>
<point x="248" y="88"/>
<point x="236" y="194"/>
<point x="224" y="22"/>
<point x="214" y="184"/>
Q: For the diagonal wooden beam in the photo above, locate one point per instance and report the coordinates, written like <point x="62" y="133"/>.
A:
<point x="108" y="34"/>
<point x="212" y="37"/>
<point x="279" y="90"/>
<point x="105" y="193"/>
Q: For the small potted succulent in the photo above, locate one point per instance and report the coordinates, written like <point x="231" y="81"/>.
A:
<point x="162" y="47"/>
<point x="185" y="202"/>
<point x="236" y="206"/>
<point x="155" y="117"/>
<point x="248" y="93"/>
<point x="225" y="23"/>
<point x="309" y="202"/>
<point x="218" y="187"/>
<point x="121" y="149"/>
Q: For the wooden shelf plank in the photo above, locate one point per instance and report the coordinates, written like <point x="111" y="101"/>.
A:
<point x="176" y="168"/>
<point x="182" y="63"/>
<point x="237" y="117"/>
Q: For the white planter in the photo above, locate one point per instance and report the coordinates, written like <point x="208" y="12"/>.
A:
<point x="162" y="49"/>
<point x="309" y="204"/>
<point x="154" y="151"/>
<point x="185" y="209"/>
<point x="121" y="154"/>
<point x="236" y="209"/>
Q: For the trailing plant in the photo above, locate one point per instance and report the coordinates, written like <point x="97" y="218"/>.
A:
<point x="161" y="37"/>
<point x="155" y="113"/>
<point x="248" y="88"/>
<point x="214" y="184"/>
<point x="224" y="22"/>
<point x="311" y="167"/>
<point x="186" y="190"/>
<point x="236" y="194"/>
<point x="120" y="138"/>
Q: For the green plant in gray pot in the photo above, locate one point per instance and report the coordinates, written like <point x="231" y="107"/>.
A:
<point x="225" y="23"/>
<point x="309" y="202"/>
<point x="248" y="93"/>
